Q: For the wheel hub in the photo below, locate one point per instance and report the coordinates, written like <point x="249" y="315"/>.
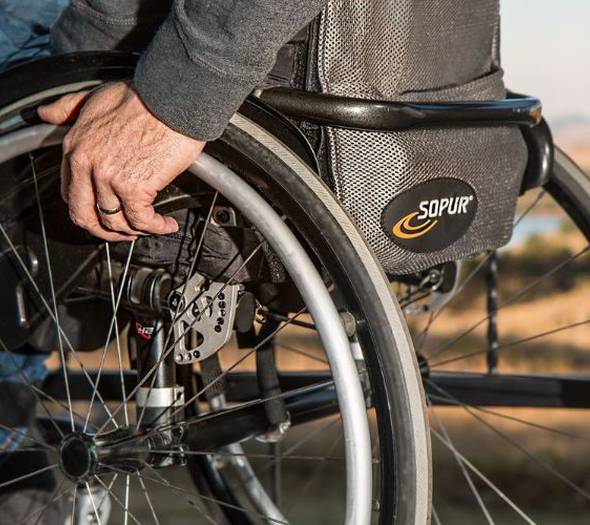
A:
<point x="78" y="457"/>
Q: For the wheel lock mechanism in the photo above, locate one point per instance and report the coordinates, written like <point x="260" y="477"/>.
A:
<point x="204" y="314"/>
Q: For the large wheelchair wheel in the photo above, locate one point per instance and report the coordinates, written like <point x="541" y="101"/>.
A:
<point x="503" y="346"/>
<point x="267" y="375"/>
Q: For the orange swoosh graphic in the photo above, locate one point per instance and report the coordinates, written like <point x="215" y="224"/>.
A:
<point x="403" y="226"/>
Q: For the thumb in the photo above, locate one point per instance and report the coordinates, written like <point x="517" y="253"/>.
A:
<point x="64" y="109"/>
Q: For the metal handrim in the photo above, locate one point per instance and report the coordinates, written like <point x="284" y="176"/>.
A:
<point x="351" y="399"/>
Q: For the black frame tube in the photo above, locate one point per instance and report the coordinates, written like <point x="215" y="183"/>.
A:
<point x="383" y="115"/>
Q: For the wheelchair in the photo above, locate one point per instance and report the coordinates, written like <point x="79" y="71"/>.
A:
<point x="260" y="366"/>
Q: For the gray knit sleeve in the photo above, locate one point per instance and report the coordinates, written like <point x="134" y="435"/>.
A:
<point x="208" y="55"/>
<point x="91" y="25"/>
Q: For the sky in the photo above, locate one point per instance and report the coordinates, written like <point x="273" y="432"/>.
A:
<point x="546" y="53"/>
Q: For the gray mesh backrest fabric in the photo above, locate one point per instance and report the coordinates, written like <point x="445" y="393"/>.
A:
<point x="420" y="51"/>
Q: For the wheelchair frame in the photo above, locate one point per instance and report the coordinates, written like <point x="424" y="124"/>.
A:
<point x="271" y="109"/>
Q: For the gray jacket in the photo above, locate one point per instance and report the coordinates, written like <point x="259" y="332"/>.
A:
<point x="201" y="62"/>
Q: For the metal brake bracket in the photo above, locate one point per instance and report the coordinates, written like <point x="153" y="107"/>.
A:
<point x="206" y="325"/>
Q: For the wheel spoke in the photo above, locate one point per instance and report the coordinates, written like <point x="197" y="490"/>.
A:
<point x="26" y="476"/>
<point x="50" y="312"/>
<point x="525" y="422"/>
<point x="165" y="482"/>
<point x="223" y="374"/>
<point x="117" y="335"/>
<point x="126" y="504"/>
<point x="60" y="403"/>
<point x="512" y="344"/>
<point x="148" y="500"/>
<point x="485" y="479"/>
<point x="313" y="477"/>
<point x="212" y="299"/>
<point x="182" y="490"/>
<point x="113" y="323"/>
<point x="542" y="463"/>
<point x="223" y="453"/>
<point x="177" y="312"/>
<point x="53" y="495"/>
<point x="302" y="352"/>
<point x="26" y="520"/>
<point x="212" y="415"/>
<point x="305" y="439"/>
<point x="91" y="495"/>
<point x="423" y="335"/>
<point x="52" y="288"/>
<point x="105" y="494"/>
<point x="463" y="469"/>
<point x="117" y="500"/>
<point x="460" y="288"/>
<point x="73" y="516"/>
<point x="530" y="208"/>
<point x="435" y="516"/>
<point x="33" y="388"/>
<point x="21" y="450"/>
<point x="514" y="298"/>
<point x="26" y="436"/>
<point x="171" y="347"/>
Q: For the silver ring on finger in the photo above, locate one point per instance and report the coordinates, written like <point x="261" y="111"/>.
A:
<point x="108" y="211"/>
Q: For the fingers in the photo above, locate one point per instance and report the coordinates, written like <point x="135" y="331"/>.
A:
<point x="83" y="188"/>
<point x="63" y="110"/>
<point x="82" y="202"/>
<point x="117" y="154"/>
<point x="108" y="200"/>
<point x="98" y="231"/>
<point x="143" y="217"/>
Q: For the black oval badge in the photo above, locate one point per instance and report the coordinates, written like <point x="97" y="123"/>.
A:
<point x="431" y="215"/>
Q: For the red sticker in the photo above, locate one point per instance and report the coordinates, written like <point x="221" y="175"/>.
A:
<point x="144" y="331"/>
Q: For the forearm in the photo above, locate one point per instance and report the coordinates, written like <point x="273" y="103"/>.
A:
<point x="124" y="25"/>
<point x="208" y="56"/>
<point x="204" y="59"/>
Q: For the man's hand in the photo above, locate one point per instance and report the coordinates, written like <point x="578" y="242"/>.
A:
<point x="117" y="155"/>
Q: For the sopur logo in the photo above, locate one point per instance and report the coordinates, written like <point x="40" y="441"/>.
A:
<point x="418" y="223"/>
<point x="446" y="205"/>
<point x="431" y="215"/>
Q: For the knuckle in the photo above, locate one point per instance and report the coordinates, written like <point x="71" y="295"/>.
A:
<point x="107" y="221"/>
<point x="77" y="219"/>
<point x="118" y="186"/>
<point x="78" y="159"/>
<point x="138" y="224"/>
<point x="125" y="189"/>
<point x="68" y="142"/>
<point x="101" y="174"/>
<point x="137" y="221"/>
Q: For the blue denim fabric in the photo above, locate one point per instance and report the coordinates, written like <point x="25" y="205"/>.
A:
<point x="24" y="35"/>
<point x="19" y="368"/>
<point x="24" y="29"/>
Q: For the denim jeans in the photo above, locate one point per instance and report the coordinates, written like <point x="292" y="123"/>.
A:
<point x="24" y="35"/>
<point x="24" y="29"/>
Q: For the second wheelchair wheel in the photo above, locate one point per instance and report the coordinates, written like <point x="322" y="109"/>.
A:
<point x="503" y="352"/>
